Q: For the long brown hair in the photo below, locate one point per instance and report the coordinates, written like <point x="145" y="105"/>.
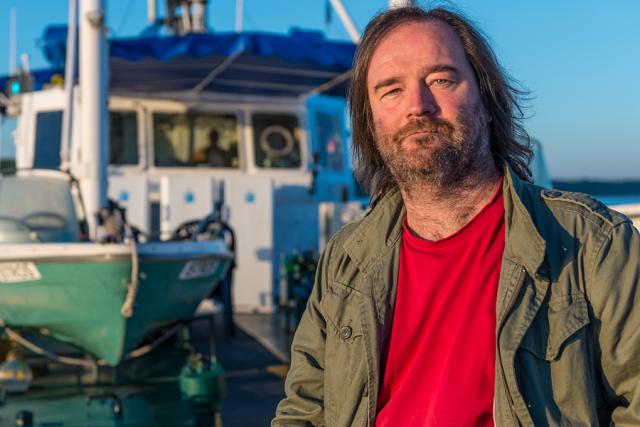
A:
<point x="509" y="141"/>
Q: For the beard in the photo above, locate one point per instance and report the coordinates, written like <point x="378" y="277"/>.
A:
<point x="444" y="156"/>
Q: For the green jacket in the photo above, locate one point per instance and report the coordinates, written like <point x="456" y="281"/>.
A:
<point x="568" y="317"/>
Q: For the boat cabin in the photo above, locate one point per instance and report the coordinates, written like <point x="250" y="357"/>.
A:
<point x="255" y="122"/>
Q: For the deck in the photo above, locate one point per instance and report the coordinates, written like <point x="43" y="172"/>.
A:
<point x="254" y="372"/>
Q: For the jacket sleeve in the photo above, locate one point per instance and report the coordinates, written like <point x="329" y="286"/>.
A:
<point x="615" y="298"/>
<point x="304" y="386"/>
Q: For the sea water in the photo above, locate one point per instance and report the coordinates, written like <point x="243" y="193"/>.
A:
<point x="626" y="199"/>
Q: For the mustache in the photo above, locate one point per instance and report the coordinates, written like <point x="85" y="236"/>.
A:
<point x="425" y="124"/>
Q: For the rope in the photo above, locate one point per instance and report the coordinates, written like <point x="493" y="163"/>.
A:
<point x="140" y="351"/>
<point x="127" y="306"/>
<point x="39" y="350"/>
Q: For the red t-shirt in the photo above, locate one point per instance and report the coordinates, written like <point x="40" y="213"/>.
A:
<point x="439" y="364"/>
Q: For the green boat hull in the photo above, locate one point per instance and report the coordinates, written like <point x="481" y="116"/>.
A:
<point x="79" y="301"/>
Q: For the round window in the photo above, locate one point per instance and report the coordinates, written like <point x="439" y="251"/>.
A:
<point x="276" y="141"/>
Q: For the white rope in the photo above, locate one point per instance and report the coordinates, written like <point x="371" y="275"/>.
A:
<point x="127" y="306"/>
<point x="140" y="351"/>
<point x="39" y="350"/>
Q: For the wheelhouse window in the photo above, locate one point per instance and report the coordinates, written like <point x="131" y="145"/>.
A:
<point x="123" y="138"/>
<point x="276" y="141"/>
<point x="196" y="140"/>
<point x="330" y="144"/>
<point x="48" y="135"/>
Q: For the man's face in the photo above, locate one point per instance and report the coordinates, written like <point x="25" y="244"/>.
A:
<point x="430" y="123"/>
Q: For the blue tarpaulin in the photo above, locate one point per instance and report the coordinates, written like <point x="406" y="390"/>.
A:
<point x="250" y="63"/>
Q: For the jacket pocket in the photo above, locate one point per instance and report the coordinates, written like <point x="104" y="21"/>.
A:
<point x="341" y="305"/>
<point x="556" y="322"/>
<point x="345" y="372"/>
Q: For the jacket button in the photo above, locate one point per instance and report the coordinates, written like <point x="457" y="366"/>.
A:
<point x="345" y="332"/>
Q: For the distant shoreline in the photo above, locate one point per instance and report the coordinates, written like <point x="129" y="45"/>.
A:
<point x="600" y="188"/>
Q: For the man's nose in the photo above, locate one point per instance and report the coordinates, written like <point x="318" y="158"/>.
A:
<point x="421" y="101"/>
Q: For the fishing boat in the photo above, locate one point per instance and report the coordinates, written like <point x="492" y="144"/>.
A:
<point x="257" y="117"/>
<point x="72" y="267"/>
<point x="193" y="131"/>
<point x="102" y="297"/>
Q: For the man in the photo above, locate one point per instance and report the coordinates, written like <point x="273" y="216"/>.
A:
<point x="467" y="296"/>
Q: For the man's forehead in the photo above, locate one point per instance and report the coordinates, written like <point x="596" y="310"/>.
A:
<point x="433" y="28"/>
<point x="430" y="38"/>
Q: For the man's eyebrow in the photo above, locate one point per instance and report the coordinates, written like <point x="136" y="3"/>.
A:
<point x="384" y="83"/>
<point x="438" y="68"/>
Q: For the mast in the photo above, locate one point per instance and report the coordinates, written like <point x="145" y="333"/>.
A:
<point x="346" y="20"/>
<point x="69" y="83"/>
<point x="94" y="81"/>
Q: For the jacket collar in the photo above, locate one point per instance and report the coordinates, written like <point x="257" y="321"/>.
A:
<point x="523" y="243"/>
<point x="381" y="229"/>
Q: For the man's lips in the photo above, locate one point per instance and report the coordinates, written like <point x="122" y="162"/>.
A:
<point x="418" y="133"/>
<point x="421" y="132"/>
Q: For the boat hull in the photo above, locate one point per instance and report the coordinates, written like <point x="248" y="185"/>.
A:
<point x="75" y="294"/>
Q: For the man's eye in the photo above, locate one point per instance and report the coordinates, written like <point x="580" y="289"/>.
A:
<point x="391" y="92"/>
<point x="442" y="82"/>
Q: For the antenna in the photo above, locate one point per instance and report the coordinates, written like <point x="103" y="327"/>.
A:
<point x="346" y="20"/>
<point x="13" y="24"/>
<point x="198" y="16"/>
<point x="26" y="63"/>
<point x="152" y="11"/>
<point x="239" y="15"/>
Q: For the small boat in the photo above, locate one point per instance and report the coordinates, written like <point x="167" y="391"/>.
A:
<point x="260" y="115"/>
<point x="102" y="297"/>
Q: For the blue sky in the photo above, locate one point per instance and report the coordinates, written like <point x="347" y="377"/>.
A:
<point x="579" y="58"/>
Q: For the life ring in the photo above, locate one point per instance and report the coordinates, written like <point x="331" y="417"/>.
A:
<point x="284" y="133"/>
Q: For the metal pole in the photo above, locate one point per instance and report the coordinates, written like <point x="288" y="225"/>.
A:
<point x="13" y="24"/>
<point x="25" y="63"/>
<point x="1" y="142"/>
<point x="400" y="3"/>
<point x="198" y="14"/>
<point x="239" y="15"/>
<point x="94" y="109"/>
<point x="69" y="84"/>
<point x="186" y="18"/>
<point x="346" y="20"/>
<point x="152" y="11"/>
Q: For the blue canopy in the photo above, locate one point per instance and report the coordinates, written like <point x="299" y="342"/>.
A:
<point x="250" y="63"/>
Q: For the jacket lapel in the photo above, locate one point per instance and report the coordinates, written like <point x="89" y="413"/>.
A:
<point x="524" y="282"/>
<point x="374" y="248"/>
